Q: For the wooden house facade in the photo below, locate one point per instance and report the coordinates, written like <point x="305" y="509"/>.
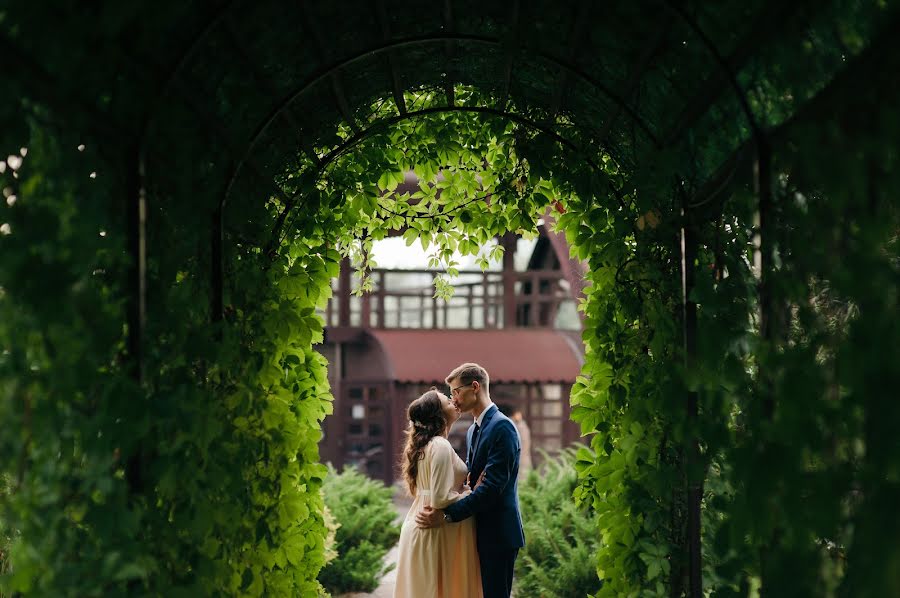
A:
<point x="389" y="346"/>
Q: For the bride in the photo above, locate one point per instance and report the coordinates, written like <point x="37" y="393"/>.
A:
<point x="439" y="562"/>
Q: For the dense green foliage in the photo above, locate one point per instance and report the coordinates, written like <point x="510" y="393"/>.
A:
<point x="204" y="479"/>
<point x="201" y="476"/>
<point x="366" y="530"/>
<point x="558" y="558"/>
<point x="6" y="531"/>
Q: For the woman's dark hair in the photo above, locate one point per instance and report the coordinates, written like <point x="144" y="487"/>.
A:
<point x="426" y="420"/>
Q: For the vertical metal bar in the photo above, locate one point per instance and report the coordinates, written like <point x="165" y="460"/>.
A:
<point x="217" y="277"/>
<point x="136" y="215"/>
<point x="689" y="334"/>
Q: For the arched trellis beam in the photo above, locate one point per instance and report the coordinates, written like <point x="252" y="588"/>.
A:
<point x="392" y="45"/>
<point x="381" y="125"/>
<point x="217" y="228"/>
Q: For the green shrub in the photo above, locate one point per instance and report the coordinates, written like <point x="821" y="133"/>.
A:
<point x="561" y="540"/>
<point x="366" y="531"/>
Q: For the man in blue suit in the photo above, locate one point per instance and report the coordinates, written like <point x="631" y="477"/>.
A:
<point x="492" y="456"/>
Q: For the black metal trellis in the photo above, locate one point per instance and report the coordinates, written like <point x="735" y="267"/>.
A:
<point x="711" y="89"/>
<point x="326" y="72"/>
<point x="705" y="103"/>
<point x="512" y="47"/>
<point x="385" y="25"/>
<point x="447" y="75"/>
<point x="695" y="487"/>
<point x="634" y="78"/>
<point x="250" y="64"/>
<point x="334" y="77"/>
<point x="576" y="38"/>
<point x="136" y="219"/>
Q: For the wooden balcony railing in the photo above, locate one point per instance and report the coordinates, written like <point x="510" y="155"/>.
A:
<point x="405" y="299"/>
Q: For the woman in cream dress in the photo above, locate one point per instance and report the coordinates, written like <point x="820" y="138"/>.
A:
<point x="441" y="562"/>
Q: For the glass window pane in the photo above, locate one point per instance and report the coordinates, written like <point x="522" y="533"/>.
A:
<point x="552" y="392"/>
<point x="551" y="409"/>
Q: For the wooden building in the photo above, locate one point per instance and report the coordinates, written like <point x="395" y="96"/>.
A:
<point x="389" y="346"/>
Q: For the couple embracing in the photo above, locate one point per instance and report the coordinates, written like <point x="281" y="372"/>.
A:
<point x="463" y="532"/>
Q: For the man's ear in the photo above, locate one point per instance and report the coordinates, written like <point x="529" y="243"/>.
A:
<point x="475" y="386"/>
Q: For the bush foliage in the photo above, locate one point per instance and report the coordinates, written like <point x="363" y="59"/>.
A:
<point x="561" y="539"/>
<point x="366" y="531"/>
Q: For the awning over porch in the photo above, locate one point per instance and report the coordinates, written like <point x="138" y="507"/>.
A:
<point x="519" y="355"/>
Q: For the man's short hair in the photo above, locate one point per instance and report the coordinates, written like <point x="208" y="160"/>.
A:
<point x="468" y="373"/>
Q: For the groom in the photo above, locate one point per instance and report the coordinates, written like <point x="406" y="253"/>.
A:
<point x="493" y="459"/>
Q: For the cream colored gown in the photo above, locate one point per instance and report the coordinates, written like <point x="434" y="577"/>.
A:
<point x="441" y="562"/>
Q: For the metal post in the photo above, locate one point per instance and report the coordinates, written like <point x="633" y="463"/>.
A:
<point x="217" y="301"/>
<point x="689" y="333"/>
<point x="136" y="216"/>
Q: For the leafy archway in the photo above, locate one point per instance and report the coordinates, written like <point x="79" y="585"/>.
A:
<point x="736" y="362"/>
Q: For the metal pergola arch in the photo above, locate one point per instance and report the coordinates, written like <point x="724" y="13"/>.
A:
<point x="389" y="47"/>
<point x="723" y="66"/>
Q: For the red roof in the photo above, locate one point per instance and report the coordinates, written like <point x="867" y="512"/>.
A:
<point x="517" y="355"/>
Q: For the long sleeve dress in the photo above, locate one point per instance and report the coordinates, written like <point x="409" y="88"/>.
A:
<point x="440" y="562"/>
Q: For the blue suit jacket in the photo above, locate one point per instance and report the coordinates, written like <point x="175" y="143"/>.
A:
<point x="495" y="502"/>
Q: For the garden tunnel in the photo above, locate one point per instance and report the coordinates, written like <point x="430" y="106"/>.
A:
<point x="729" y="171"/>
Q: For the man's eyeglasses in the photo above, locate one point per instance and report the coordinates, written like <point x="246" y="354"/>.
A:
<point x="455" y="391"/>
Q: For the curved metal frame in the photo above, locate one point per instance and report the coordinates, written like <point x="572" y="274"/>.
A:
<point x="327" y="71"/>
